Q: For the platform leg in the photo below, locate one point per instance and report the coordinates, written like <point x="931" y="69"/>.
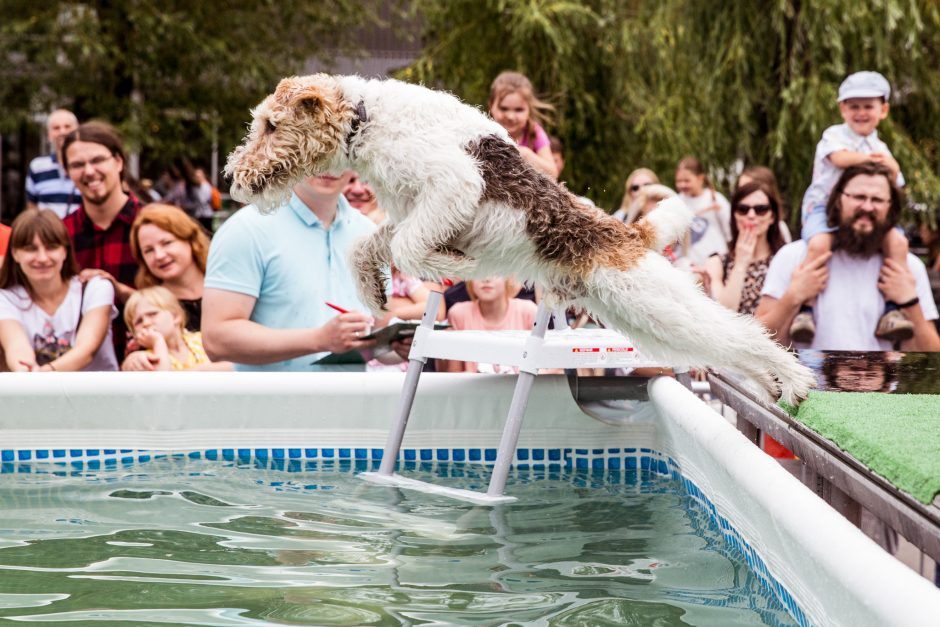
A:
<point x="520" y="399"/>
<point x="415" y="365"/>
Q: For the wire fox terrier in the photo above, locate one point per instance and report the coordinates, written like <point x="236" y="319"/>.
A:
<point x="461" y="202"/>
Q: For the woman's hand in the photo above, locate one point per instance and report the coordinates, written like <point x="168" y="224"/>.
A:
<point x="89" y="273"/>
<point x="746" y="246"/>
<point x="121" y="292"/>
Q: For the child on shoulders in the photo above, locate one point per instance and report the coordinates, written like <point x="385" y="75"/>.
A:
<point x="863" y="103"/>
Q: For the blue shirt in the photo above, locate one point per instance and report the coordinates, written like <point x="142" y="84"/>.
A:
<point x="49" y="187"/>
<point x="291" y="264"/>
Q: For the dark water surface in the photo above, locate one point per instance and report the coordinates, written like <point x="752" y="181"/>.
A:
<point x="892" y="372"/>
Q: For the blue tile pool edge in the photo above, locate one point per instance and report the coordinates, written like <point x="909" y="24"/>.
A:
<point x="593" y="459"/>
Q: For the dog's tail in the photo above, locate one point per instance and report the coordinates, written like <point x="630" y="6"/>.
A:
<point x="668" y="316"/>
<point x="671" y="219"/>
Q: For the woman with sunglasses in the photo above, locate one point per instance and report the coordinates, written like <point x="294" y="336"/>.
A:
<point x="636" y="181"/>
<point x="738" y="275"/>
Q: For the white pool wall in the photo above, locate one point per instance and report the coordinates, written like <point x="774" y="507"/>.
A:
<point x="838" y="575"/>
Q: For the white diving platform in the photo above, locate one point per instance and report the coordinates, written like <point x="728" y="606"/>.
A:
<point x="529" y="351"/>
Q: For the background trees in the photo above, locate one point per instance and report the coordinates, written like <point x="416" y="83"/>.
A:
<point x="170" y="74"/>
<point x="634" y="82"/>
<point x="643" y="83"/>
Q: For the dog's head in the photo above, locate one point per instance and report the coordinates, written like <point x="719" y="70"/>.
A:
<point x="294" y="133"/>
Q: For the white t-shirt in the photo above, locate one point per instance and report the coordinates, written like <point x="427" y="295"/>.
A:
<point x="825" y="173"/>
<point x="53" y="335"/>
<point x="847" y="311"/>
<point x="711" y="231"/>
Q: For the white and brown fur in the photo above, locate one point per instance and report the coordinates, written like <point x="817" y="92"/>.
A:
<point x="461" y="202"/>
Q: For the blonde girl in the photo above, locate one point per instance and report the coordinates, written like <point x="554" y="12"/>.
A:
<point x="157" y="321"/>
<point x="711" y="228"/>
<point x="492" y="307"/>
<point x="515" y="107"/>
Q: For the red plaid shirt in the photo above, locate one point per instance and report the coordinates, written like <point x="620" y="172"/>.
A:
<point x="109" y="250"/>
<point x="105" y="249"/>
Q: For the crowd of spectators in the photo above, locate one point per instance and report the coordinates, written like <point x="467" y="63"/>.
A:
<point x="102" y="272"/>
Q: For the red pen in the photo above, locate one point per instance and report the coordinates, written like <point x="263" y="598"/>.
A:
<point x="337" y="308"/>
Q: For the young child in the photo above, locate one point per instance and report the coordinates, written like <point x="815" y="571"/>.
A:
<point x="863" y="103"/>
<point x="492" y="308"/>
<point x="157" y="321"/>
<point x="514" y="106"/>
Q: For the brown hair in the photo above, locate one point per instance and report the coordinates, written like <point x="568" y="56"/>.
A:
<point x="515" y="83"/>
<point x="173" y="220"/>
<point x="867" y="168"/>
<point x="774" y="237"/>
<point x="694" y="166"/>
<point x="765" y="175"/>
<point x="95" y="133"/>
<point x="52" y="233"/>
<point x="159" y="297"/>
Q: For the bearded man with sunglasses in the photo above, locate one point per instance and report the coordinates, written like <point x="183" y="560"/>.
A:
<point x="852" y="282"/>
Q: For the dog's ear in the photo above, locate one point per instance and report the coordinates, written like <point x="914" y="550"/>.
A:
<point x="308" y="100"/>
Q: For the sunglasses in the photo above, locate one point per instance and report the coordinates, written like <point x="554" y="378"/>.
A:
<point x="636" y="186"/>
<point x="760" y="210"/>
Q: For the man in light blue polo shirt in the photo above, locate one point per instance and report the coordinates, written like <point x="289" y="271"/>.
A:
<point x="269" y="277"/>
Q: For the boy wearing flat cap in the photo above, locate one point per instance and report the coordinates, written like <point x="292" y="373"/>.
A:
<point x="863" y="103"/>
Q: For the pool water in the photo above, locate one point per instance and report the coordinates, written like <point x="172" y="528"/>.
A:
<point x="199" y="542"/>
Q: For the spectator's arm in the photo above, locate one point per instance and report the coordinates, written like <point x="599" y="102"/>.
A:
<point x="845" y="158"/>
<point x="897" y="283"/>
<point x="543" y="161"/>
<point x="925" y="332"/>
<point x="17" y="350"/>
<point x="91" y="333"/>
<point x="728" y="294"/>
<point x="806" y="282"/>
<point x="229" y="335"/>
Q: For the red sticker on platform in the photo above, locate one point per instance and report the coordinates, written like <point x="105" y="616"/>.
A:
<point x="586" y="350"/>
<point x="619" y="349"/>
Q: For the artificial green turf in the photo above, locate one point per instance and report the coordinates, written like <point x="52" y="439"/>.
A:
<point x="896" y="435"/>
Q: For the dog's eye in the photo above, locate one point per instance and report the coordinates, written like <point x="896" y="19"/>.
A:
<point x="269" y="127"/>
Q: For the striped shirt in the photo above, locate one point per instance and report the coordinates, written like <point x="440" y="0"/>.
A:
<point x="49" y="187"/>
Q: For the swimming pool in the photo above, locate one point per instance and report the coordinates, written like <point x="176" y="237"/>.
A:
<point x="800" y="555"/>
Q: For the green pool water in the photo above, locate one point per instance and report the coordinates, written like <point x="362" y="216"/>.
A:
<point x="197" y="542"/>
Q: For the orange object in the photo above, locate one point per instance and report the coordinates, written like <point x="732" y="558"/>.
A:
<point x="4" y="238"/>
<point x="776" y="449"/>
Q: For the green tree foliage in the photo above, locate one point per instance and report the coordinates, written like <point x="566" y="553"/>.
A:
<point x="166" y="72"/>
<point x="646" y="82"/>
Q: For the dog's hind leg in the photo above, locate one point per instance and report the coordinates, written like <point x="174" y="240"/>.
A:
<point x="670" y="318"/>
<point x="369" y="259"/>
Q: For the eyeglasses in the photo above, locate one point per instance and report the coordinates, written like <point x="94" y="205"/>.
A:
<point x="861" y="199"/>
<point x="760" y="210"/>
<point x="636" y="186"/>
<point x="93" y="162"/>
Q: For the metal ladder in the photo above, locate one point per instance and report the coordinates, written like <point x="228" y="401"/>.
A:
<point x="529" y="353"/>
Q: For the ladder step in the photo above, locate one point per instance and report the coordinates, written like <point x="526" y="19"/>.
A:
<point x="477" y="498"/>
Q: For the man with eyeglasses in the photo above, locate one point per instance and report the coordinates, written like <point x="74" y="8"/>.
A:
<point x="93" y="155"/>
<point x="48" y="185"/>
<point x="852" y="282"/>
